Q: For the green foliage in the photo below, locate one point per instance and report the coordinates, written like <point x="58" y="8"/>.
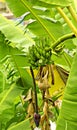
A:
<point x="13" y="74"/>
<point x="22" y="125"/>
<point x="49" y="24"/>
<point x="58" y="2"/>
<point x="7" y="106"/>
<point x="44" y="21"/>
<point x="68" y="115"/>
<point x="18" y="11"/>
<point x="14" y="34"/>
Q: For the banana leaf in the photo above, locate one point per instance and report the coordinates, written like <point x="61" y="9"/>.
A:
<point x="68" y="114"/>
<point x="9" y="92"/>
<point x="58" y="2"/>
<point x="22" y="125"/>
<point x="52" y="29"/>
<point x="15" y="34"/>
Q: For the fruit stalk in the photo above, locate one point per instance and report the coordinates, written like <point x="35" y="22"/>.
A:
<point x="36" y="102"/>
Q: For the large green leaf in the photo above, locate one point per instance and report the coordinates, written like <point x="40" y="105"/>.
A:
<point x="68" y="115"/>
<point x="14" y="33"/>
<point x="28" y="6"/>
<point x="21" y="126"/>
<point x="7" y="103"/>
<point x="58" y="2"/>
<point x="11" y="94"/>
<point x="20" y="62"/>
<point x="53" y="26"/>
<point x="16" y="7"/>
<point x="24" y="82"/>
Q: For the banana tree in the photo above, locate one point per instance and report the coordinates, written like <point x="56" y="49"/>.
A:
<point x="51" y="31"/>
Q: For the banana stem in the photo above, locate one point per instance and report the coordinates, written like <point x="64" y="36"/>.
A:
<point x="73" y="13"/>
<point x="36" y="102"/>
<point x="62" y="39"/>
<point x="70" y="24"/>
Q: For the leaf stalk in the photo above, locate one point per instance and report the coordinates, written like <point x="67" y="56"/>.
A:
<point x="72" y="12"/>
<point x="70" y="24"/>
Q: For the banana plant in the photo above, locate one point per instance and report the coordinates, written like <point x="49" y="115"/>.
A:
<point x="46" y="20"/>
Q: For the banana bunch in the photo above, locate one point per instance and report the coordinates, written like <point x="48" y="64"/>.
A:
<point x="39" y="54"/>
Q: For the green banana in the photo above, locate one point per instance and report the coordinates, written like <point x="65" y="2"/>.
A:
<point x="40" y="53"/>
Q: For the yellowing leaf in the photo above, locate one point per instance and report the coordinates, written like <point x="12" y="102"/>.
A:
<point x="58" y="82"/>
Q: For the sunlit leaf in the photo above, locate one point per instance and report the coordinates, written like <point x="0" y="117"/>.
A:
<point x="58" y="2"/>
<point x="53" y="26"/>
<point x="22" y="125"/>
<point x="14" y="34"/>
<point x="68" y="114"/>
